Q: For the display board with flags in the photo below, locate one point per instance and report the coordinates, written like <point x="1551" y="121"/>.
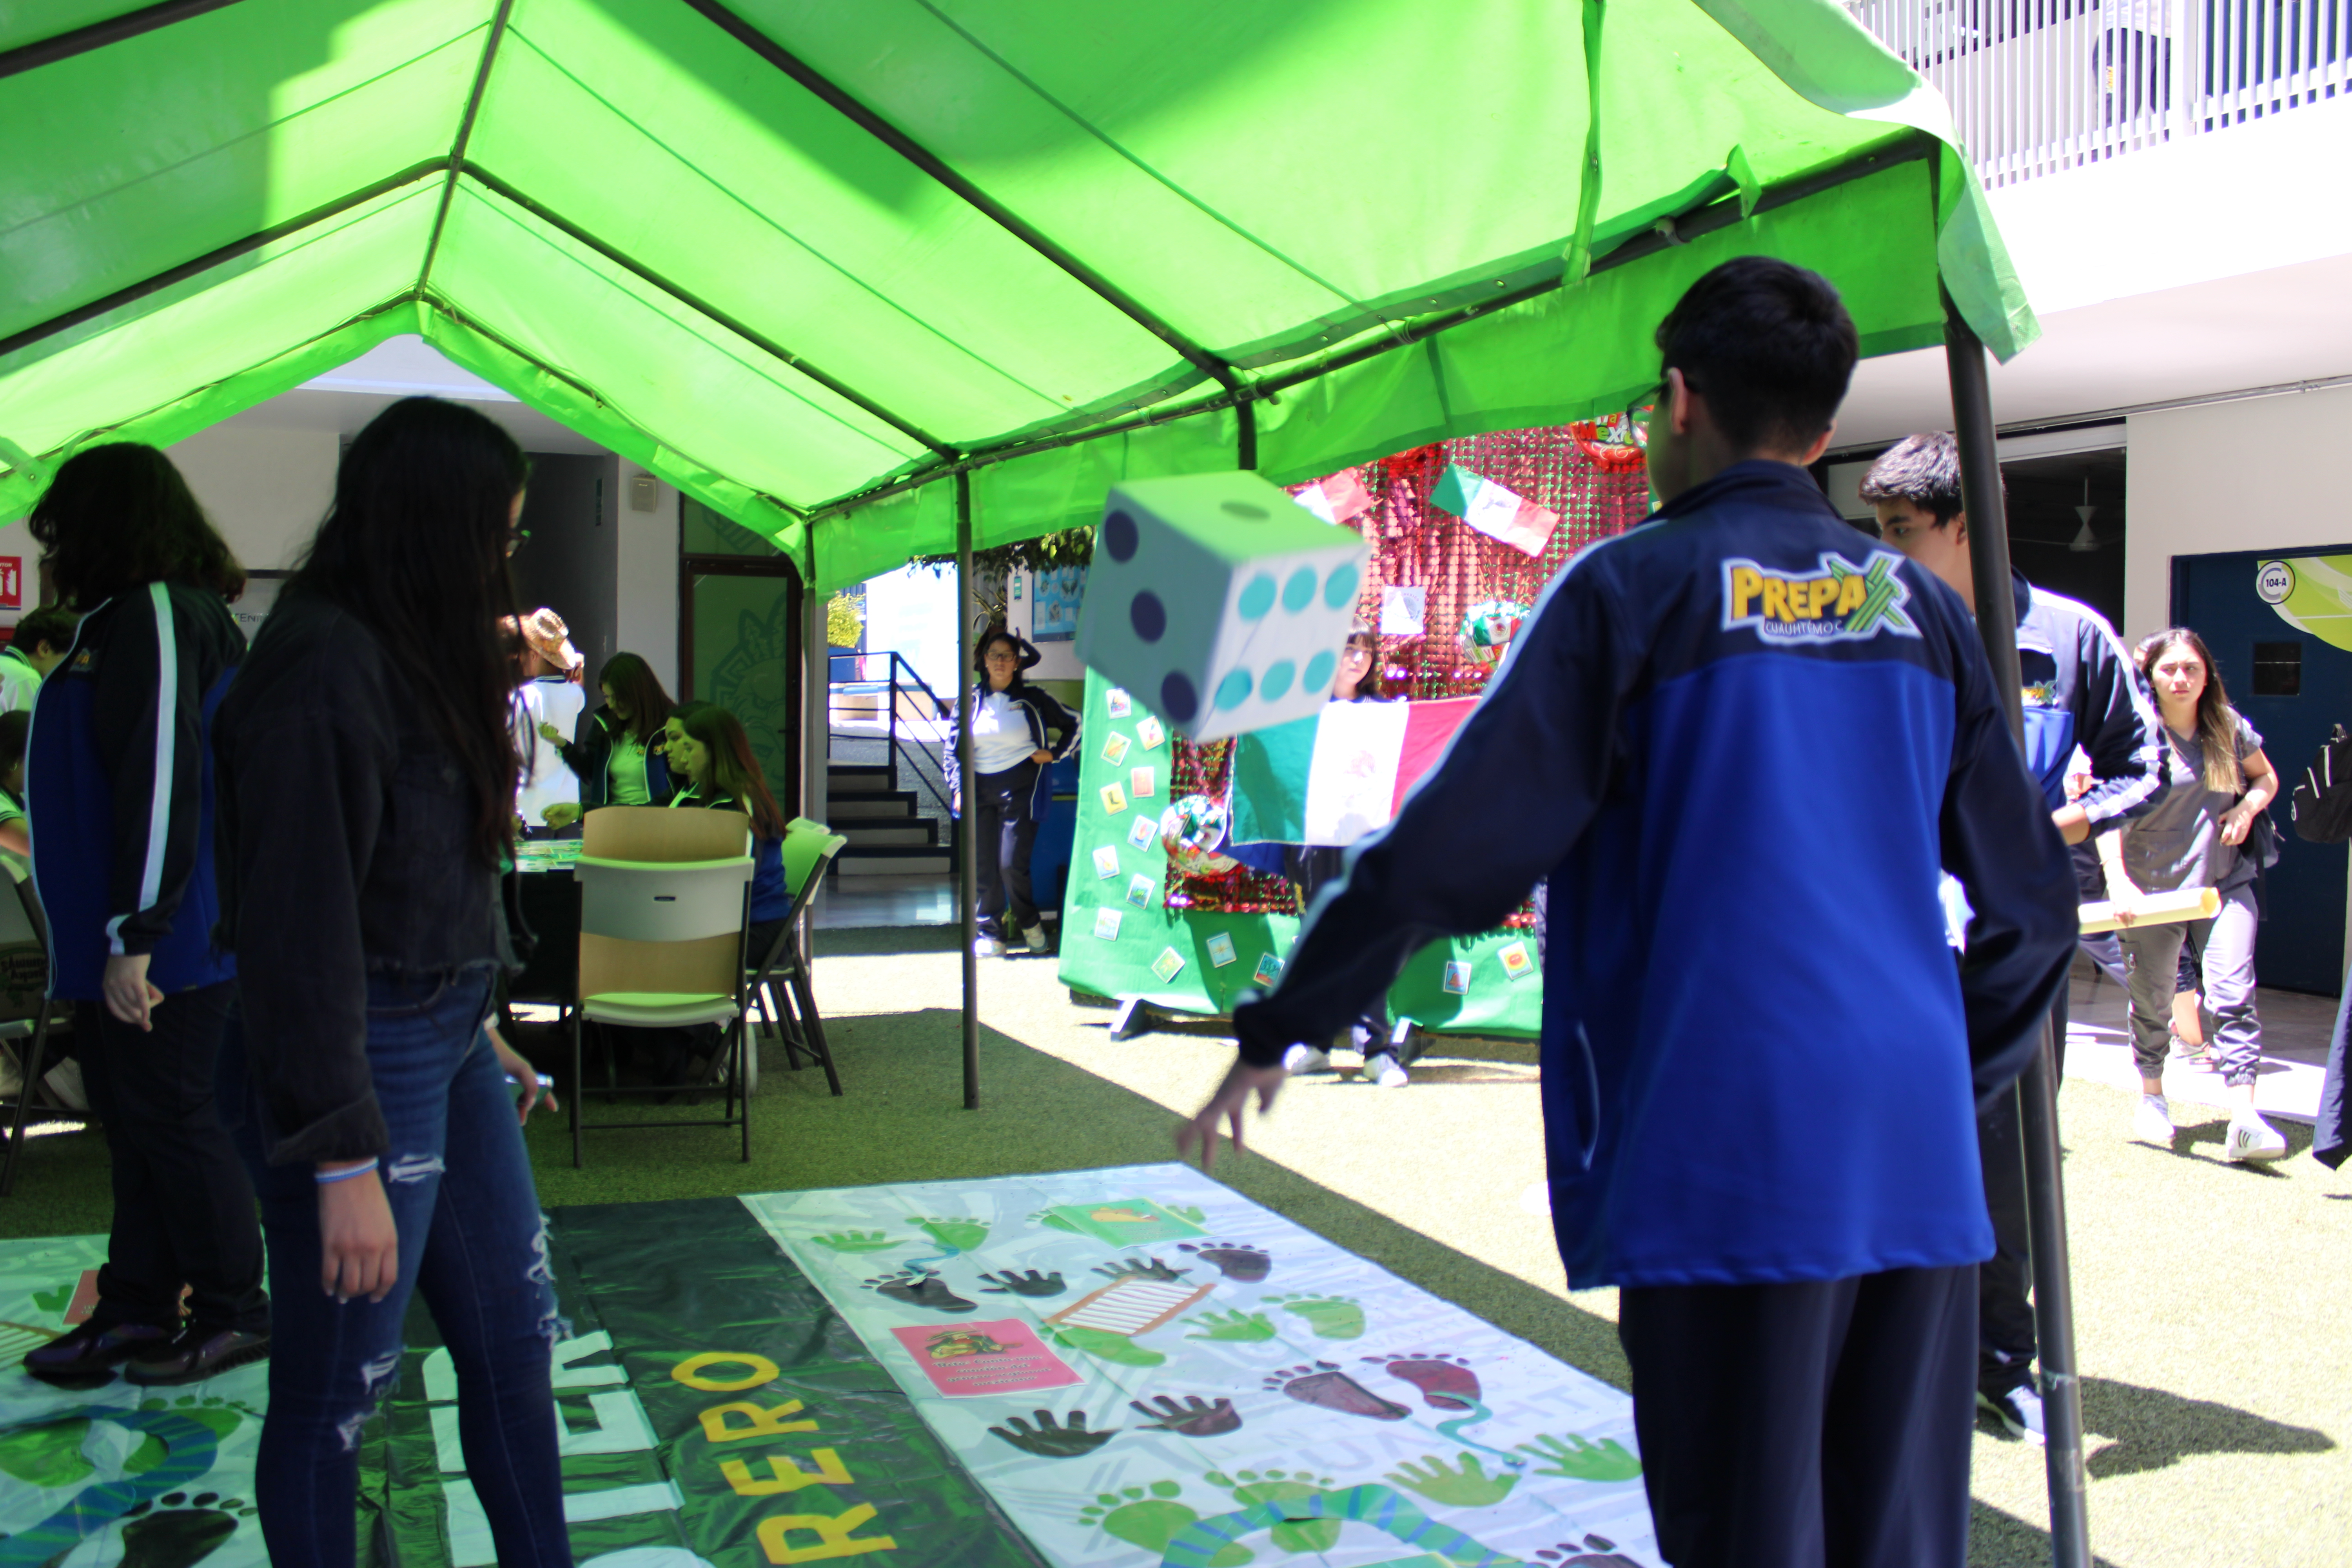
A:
<point x="1498" y="512"/>
<point x="1331" y="779"/>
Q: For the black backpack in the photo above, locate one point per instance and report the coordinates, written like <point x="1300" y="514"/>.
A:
<point x="2322" y="801"/>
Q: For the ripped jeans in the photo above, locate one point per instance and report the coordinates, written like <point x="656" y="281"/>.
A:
<point x="471" y="1239"/>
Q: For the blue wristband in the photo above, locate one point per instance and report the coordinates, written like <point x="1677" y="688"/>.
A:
<point x="327" y="1179"/>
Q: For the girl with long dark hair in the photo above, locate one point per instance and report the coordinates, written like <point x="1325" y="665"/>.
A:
<point x="367" y="778"/>
<point x="1010" y="721"/>
<point x="708" y="750"/>
<point x="618" y="756"/>
<point x="2193" y="837"/>
<point x="120" y="774"/>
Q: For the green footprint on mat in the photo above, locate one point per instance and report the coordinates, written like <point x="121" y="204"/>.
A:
<point x="1107" y="1346"/>
<point x="1470" y="1487"/>
<point x="1186" y="1213"/>
<point x="56" y="1300"/>
<point x="1331" y="1317"/>
<point x="1286" y="1486"/>
<point x="1246" y="1328"/>
<point x="1578" y="1460"/>
<point x="1152" y="1520"/>
<point x="856" y="1241"/>
<point x="1052" y="1221"/>
<point x="49" y="1455"/>
<point x="963" y="1234"/>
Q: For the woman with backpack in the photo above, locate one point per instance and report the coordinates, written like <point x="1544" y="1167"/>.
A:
<point x="2195" y="835"/>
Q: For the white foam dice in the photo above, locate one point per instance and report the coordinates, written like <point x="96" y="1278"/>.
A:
<point x="1219" y="601"/>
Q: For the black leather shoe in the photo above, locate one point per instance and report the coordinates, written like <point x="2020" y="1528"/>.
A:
<point x="91" y="1351"/>
<point x="195" y="1355"/>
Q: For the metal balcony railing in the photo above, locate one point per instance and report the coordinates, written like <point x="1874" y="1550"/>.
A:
<point x="2043" y="86"/>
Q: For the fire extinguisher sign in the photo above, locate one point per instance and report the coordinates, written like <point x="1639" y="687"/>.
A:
<point x="12" y="582"/>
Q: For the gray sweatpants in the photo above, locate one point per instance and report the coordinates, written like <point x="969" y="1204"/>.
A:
<point x="2227" y="942"/>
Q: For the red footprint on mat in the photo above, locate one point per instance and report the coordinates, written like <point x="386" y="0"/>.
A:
<point x="1325" y="1384"/>
<point x="1446" y="1383"/>
<point x="1236" y="1259"/>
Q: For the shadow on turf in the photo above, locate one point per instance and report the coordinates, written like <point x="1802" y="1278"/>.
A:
<point x="1998" y="1540"/>
<point x="2148" y="1428"/>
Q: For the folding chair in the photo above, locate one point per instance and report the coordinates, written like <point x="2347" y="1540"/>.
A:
<point x="25" y="967"/>
<point x="809" y="850"/>
<point x="665" y="898"/>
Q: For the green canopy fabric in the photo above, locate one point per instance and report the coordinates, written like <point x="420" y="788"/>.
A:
<point x="806" y="259"/>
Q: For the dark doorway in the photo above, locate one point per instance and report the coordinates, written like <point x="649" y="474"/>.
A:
<point x="571" y="561"/>
<point x="739" y="644"/>
<point x="2052" y="540"/>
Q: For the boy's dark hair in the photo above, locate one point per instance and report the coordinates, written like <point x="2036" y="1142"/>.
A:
<point x="51" y="624"/>
<point x="14" y="726"/>
<point x="118" y="516"/>
<point x="1768" y="345"/>
<point x="1924" y="469"/>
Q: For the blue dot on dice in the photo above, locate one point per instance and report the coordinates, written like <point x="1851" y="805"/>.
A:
<point x="1339" y="589"/>
<point x="1257" y="597"/>
<point x="1177" y="698"/>
<point x="1319" y="671"/>
<point x="1233" y="690"/>
<point x="1299" y="591"/>
<point x="1118" y="536"/>
<point x="1276" y="683"/>
<point x="1148" y="614"/>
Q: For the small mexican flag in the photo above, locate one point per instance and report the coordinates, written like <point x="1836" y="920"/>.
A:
<point x="1493" y="511"/>
<point x="1335" y="777"/>
<point x="1336" y="498"/>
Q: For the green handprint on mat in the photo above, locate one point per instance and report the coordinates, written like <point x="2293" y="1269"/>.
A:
<point x="856" y="1241"/>
<point x="1331" y="1317"/>
<point x="1245" y="1328"/>
<point x="1107" y="1346"/>
<point x="1471" y="1487"/>
<point x="1582" y="1460"/>
<point x="963" y="1234"/>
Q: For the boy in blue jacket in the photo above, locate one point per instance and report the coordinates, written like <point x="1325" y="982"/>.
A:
<point x="1742" y="743"/>
<point x="2080" y="689"/>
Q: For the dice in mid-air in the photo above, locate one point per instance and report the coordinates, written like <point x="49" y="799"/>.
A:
<point x="1219" y="601"/>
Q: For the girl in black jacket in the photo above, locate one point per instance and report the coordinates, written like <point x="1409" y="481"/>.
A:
<point x="1010" y="721"/>
<point x="366" y="780"/>
<point x="618" y="753"/>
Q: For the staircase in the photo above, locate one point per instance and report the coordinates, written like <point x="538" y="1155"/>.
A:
<point x="888" y="836"/>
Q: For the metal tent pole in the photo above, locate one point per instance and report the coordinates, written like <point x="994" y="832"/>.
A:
<point x="817" y="701"/>
<point x="2037" y="1087"/>
<point x="967" y="842"/>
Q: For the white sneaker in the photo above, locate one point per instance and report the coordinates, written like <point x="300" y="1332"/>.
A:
<point x="2019" y="1411"/>
<point x="2152" y="1121"/>
<point x="1386" y="1070"/>
<point x="1306" y="1059"/>
<point x="1035" y="937"/>
<point x="2252" y="1138"/>
<point x="988" y="947"/>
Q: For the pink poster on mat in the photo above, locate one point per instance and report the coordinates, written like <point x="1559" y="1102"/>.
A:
<point x="1003" y="1356"/>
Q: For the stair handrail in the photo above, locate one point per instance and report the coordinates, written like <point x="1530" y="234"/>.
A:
<point x="894" y="746"/>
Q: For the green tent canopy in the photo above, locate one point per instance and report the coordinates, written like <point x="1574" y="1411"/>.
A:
<point x="804" y="259"/>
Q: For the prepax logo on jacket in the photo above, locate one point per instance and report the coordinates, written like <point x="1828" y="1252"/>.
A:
<point x="1840" y="601"/>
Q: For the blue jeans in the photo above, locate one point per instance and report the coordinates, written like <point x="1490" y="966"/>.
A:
<point x="471" y="1239"/>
